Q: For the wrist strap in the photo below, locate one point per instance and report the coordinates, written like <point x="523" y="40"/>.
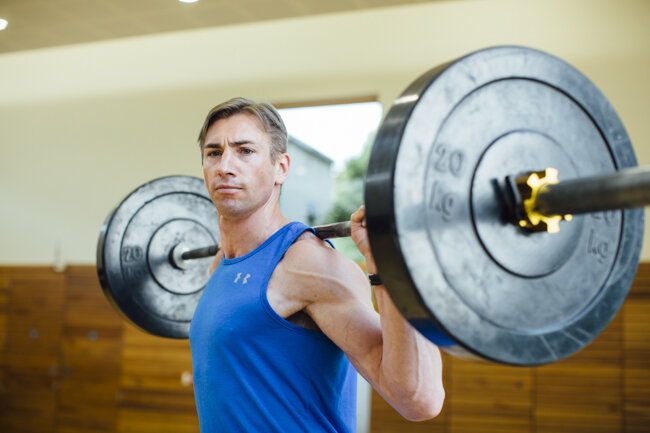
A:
<point x="374" y="280"/>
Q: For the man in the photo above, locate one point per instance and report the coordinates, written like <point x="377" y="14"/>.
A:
<point x="284" y="314"/>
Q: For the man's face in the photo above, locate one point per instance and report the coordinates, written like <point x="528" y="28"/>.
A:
<point x="237" y="166"/>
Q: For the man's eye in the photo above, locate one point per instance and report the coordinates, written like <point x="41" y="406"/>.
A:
<point x="214" y="153"/>
<point x="246" y="151"/>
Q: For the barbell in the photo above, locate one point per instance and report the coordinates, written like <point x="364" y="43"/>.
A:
<point x="501" y="205"/>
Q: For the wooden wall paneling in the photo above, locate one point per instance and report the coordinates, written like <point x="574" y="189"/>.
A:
<point x="4" y="311"/>
<point x="637" y="353"/>
<point x="155" y="393"/>
<point x="32" y="350"/>
<point x="637" y="366"/>
<point x="90" y="357"/>
<point x="583" y="393"/>
<point x="69" y="363"/>
<point x="489" y="398"/>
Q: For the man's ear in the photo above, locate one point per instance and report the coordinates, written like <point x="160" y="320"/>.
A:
<point x="282" y="168"/>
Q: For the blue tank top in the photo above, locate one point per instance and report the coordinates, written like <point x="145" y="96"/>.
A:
<point x="257" y="372"/>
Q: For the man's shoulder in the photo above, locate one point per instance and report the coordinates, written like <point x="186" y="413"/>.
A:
<point x="314" y="268"/>
<point x="313" y="253"/>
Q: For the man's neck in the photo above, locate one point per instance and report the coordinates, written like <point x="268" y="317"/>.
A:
<point x="240" y="236"/>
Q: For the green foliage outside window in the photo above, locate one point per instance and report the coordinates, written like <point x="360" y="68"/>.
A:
<point x="348" y="196"/>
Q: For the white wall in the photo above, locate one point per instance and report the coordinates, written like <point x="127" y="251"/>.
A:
<point x="82" y="126"/>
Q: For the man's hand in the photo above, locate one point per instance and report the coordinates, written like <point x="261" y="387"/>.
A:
<point x="359" y="235"/>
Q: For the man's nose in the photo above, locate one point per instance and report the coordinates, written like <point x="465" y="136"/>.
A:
<point x="227" y="162"/>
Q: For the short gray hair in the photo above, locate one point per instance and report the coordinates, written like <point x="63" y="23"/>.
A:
<point x="263" y="111"/>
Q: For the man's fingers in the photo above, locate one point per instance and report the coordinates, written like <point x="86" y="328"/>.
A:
<point x="359" y="216"/>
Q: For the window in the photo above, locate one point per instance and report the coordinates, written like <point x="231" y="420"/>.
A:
<point x="329" y="146"/>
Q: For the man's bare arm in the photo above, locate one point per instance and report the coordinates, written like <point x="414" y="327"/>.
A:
<point x="397" y="361"/>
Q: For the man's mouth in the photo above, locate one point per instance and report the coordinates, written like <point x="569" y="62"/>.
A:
<point x="225" y="188"/>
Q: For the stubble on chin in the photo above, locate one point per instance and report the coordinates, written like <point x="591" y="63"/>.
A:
<point x="230" y="208"/>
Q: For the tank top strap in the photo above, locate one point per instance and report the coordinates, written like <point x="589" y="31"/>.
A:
<point x="286" y="236"/>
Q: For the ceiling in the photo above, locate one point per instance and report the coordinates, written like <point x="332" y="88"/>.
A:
<point x="49" y="23"/>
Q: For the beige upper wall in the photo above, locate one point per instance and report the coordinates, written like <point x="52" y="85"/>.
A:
<point x="82" y="126"/>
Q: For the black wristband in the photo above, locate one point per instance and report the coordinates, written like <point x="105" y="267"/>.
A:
<point x="374" y="280"/>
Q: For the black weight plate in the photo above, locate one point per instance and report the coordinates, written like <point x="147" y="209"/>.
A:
<point x="133" y="254"/>
<point x="450" y="261"/>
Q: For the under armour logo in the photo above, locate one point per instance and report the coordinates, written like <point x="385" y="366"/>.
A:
<point x="244" y="279"/>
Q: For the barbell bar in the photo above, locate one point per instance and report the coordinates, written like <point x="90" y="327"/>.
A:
<point x="180" y="254"/>
<point x="623" y="189"/>
<point x="446" y="163"/>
